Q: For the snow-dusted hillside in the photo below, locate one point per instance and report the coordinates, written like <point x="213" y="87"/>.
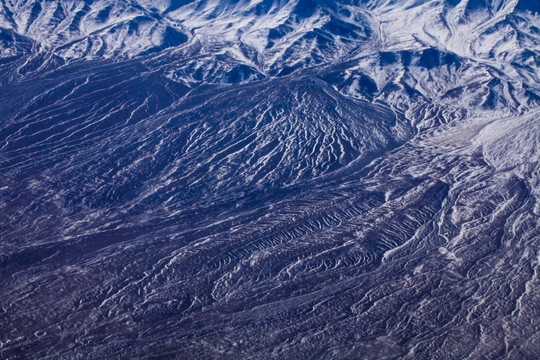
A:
<point x="353" y="179"/>
<point x="484" y="54"/>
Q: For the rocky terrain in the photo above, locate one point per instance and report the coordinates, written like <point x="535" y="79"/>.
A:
<point x="270" y="179"/>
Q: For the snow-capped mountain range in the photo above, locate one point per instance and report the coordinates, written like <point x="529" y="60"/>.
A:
<point x="392" y="51"/>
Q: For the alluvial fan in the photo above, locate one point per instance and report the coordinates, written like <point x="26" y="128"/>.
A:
<point x="270" y="179"/>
